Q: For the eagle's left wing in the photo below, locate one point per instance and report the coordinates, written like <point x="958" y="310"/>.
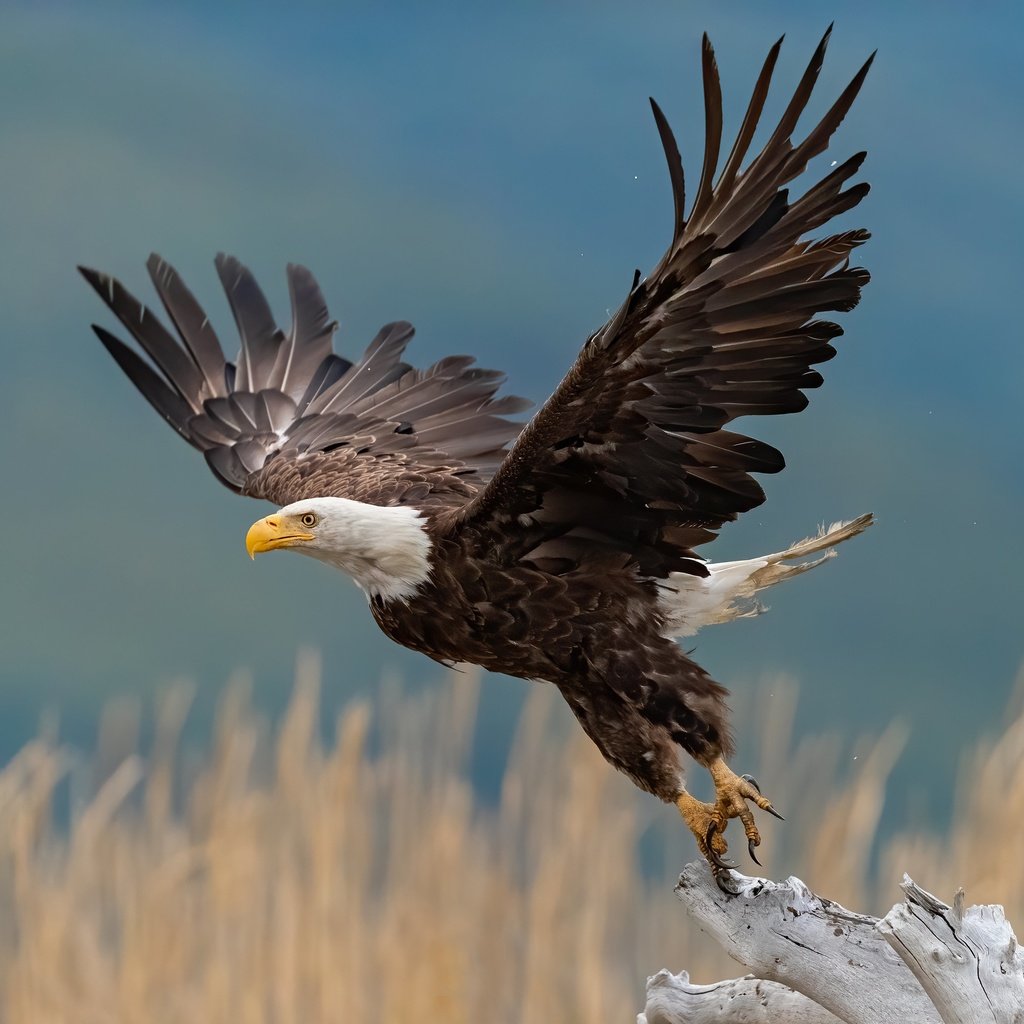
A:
<point x="630" y="456"/>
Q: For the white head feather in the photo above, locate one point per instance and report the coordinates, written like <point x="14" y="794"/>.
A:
<point x="385" y="549"/>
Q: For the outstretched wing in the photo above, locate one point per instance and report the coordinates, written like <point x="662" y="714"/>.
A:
<point x="291" y="418"/>
<point x="630" y="457"/>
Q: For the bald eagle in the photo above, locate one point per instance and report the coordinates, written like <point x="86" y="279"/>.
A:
<point x="564" y="550"/>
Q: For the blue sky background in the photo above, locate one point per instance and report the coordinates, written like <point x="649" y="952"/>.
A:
<point x="493" y="174"/>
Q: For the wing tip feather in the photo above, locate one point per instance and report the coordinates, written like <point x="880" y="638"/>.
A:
<point x="675" y="169"/>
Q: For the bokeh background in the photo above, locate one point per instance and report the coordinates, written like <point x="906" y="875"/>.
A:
<point x="492" y="173"/>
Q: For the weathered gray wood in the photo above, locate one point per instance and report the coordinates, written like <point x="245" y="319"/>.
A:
<point x="783" y="932"/>
<point x="671" y="999"/>
<point x="968" y="962"/>
<point x="816" y="962"/>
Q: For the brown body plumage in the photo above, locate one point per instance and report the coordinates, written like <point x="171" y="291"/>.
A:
<point x="552" y="552"/>
<point x="633" y="690"/>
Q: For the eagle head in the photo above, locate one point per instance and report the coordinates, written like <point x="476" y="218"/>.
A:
<point x="384" y="548"/>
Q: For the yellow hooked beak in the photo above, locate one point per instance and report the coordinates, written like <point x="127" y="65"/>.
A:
<point x="274" y="531"/>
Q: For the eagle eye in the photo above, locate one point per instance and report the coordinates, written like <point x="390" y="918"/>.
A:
<point x="308" y="519"/>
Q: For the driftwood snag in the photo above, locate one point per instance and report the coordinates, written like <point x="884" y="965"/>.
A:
<point x="967" y="961"/>
<point x="815" y="962"/>
<point x="671" y="999"/>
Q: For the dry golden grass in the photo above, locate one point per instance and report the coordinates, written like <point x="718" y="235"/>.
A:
<point x="282" y="882"/>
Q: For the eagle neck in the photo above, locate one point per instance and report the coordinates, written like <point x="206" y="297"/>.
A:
<point x="386" y="549"/>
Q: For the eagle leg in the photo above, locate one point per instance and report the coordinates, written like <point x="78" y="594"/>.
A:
<point x="732" y="792"/>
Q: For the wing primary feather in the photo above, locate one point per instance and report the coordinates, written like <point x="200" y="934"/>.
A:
<point x="795" y="107"/>
<point x="309" y="341"/>
<point x="170" y="358"/>
<point x="675" y="171"/>
<point x="817" y="139"/>
<point x="379" y="366"/>
<point x="712" y="129"/>
<point x="174" y="409"/>
<point x="773" y="213"/>
<point x="260" y="337"/>
<point x="750" y="120"/>
<point x="191" y="322"/>
<point x="326" y="375"/>
<point x="825" y="200"/>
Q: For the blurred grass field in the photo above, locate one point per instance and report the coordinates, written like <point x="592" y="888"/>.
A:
<point x="281" y="879"/>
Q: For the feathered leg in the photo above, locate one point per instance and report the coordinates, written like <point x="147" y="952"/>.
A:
<point x="655" y="707"/>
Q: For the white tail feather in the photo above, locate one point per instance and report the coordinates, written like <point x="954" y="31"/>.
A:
<point x="691" y="602"/>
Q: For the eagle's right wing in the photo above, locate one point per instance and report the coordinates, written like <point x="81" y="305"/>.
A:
<point x="292" y="419"/>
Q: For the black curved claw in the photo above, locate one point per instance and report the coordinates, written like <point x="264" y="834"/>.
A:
<point x="769" y="809"/>
<point x="750" y="849"/>
<point x="720" y="882"/>
<point x="713" y="856"/>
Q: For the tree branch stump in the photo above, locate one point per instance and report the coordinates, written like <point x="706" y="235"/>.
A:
<point x="967" y="961"/>
<point x="815" y="962"/>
